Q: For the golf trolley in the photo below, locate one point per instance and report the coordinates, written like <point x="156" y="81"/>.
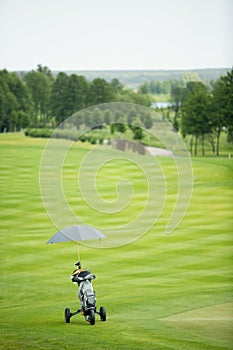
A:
<point x="87" y="298"/>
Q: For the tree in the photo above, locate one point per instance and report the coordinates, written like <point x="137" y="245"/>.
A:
<point x="21" y="92"/>
<point x="191" y="88"/>
<point x="75" y="94"/>
<point x="107" y="117"/>
<point x="69" y="95"/>
<point x="15" y="102"/>
<point x="131" y="117"/>
<point x="177" y="91"/>
<point x="100" y="92"/>
<point x="196" y="115"/>
<point x="223" y="107"/>
<point x="131" y="96"/>
<point x="139" y="99"/>
<point x="144" y="88"/>
<point x="96" y="118"/>
<point x="136" y="127"/>
<point x="120" y="122"/>
<point x="8" y="102"/>
<point x="87" y="118"/>
<point x="45" y="70"/>
<point x="147" y="120"/>
<point x="58" y="98"/>
<point x="188" y="77"/>
<point x="39" y="85"/>
<point x="116" y="86"/>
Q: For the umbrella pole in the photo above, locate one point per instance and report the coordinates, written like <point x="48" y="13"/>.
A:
<point x="78" y="251"/>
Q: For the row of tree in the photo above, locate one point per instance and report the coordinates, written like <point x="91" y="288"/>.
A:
<point x="167" y="86"/>
<point x="200" y="113"/>
<point x="201" y="110"/>
<point x="40" y="99"/>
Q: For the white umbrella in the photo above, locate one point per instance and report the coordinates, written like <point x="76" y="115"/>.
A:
<point x="75" y="234"/>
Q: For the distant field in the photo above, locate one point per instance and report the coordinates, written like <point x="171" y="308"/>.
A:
<point x="161" y="292"/>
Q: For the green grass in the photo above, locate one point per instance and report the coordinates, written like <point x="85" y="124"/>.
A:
<point x="141" y="285"/>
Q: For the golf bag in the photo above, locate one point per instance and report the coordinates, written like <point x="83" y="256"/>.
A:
<point x="86" y="292"/>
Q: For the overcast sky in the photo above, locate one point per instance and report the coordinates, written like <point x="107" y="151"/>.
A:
<point x="116" y="34"/>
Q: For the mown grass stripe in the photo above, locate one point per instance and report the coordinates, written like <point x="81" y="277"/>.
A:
<point x="155" y="277"/>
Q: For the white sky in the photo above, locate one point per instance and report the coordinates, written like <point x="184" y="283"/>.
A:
<point x="116" y="34"/>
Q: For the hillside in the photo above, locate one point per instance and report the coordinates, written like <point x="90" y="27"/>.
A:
<point x="134" y="78"/>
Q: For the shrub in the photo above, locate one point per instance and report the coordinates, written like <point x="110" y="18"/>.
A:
<point x="83" y="138"/>
<point x="44" y="133"/>
<point x="101" y="140"/>
<point x="93" y="140"/>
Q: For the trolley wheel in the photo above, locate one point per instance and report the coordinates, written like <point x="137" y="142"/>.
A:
<point x="67" y="315"/>
<point x="92" y="317"/>
<point x="102" y="313"/>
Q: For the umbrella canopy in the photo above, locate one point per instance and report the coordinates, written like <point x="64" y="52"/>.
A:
<point x="76" y="233"/>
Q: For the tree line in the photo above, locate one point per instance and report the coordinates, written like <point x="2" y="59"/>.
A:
<point x="201" y="113"/>
<point x="201" y="110"/>
<point x="40" y="99"/>
<point x="167" y="86"/>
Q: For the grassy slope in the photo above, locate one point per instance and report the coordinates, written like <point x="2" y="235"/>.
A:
<point x="140" y="284"/>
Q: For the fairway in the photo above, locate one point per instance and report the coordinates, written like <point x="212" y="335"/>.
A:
<point x="209" y="322"/>
<point x="160" y="292"/>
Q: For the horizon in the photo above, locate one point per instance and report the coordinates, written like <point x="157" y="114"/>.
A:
<point x="122" y="70"/>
